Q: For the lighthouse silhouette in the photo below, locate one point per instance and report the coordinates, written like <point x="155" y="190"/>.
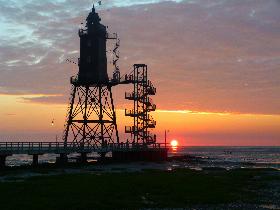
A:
<point x="91" y="117"/>
<point x="93" y="60"/>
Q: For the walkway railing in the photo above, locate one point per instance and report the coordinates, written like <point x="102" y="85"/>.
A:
<point x="61" y="147"/>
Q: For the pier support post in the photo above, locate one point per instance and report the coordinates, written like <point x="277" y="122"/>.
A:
<point x="3" y="161"/>
<point x="83" y="158"/>
<point x="62" y="159"/>
<point x="102" y="156"/>
<point x="35" y="159"/>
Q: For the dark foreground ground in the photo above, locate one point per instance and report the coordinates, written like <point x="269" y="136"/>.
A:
<point x="148" y="189"/>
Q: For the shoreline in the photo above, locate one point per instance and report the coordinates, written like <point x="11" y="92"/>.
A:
<point x="108" y="165"/>
<point x="183" y="161"/>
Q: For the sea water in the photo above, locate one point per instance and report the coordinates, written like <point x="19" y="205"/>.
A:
<point x="214" y="156"/>
<point x="257" y="156"/>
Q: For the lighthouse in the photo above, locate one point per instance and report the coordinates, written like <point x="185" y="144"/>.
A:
<point x="93" y="60"/>
<point x="91" y="116"/>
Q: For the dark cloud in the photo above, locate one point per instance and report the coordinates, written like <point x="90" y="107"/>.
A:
<point x="10" y="114"/>
<point x="45" y="99"/>
<point x="204" y="55"/>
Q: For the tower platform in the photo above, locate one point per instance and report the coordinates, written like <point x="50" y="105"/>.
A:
<point x="141" y="154"/>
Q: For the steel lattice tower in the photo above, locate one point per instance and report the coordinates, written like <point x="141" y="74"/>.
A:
<point x="91" y="116"/>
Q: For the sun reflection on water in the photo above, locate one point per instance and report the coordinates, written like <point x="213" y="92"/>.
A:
<point x="174" y="145"/>
<point x="174" y="149"/>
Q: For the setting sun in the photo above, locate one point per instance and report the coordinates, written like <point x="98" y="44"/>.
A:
<point x="174" y="143"/>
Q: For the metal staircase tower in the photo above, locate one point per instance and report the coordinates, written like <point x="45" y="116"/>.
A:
<point x="143" y="105"/>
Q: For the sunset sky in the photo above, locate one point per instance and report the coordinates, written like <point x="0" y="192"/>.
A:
<point x="215" y="63"/>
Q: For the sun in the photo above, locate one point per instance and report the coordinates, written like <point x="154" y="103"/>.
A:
<point x="174" y="143"/>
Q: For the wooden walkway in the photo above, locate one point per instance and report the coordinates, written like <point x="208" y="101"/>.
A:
<point x="10" y="148"/>
<point x="122" y="151"/>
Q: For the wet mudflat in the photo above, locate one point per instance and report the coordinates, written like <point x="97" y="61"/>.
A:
<point x="121" y="187"/>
